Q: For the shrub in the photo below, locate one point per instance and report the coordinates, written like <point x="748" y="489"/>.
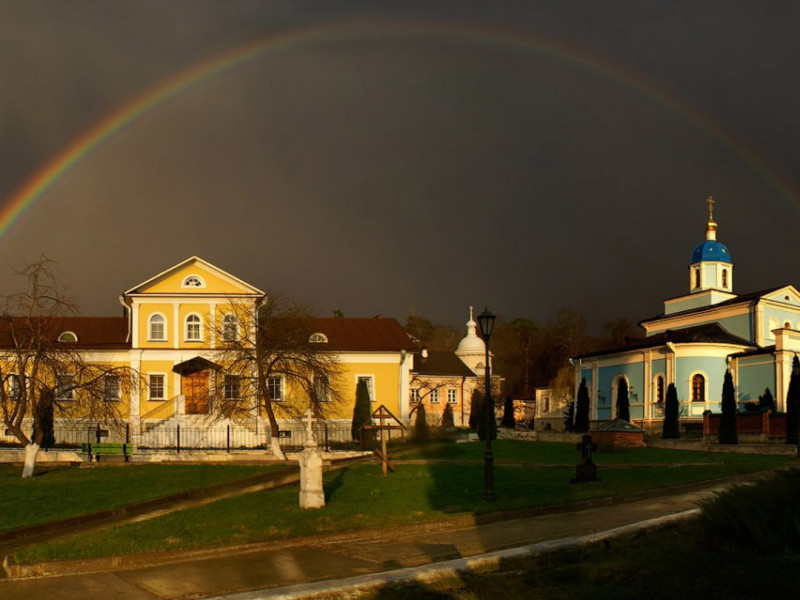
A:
<point x="793" y="403"/>
<point x="764" y="516"/>
<point x="420" y="433"/>
<point x="508" y="413"/>
<point x="623" y="403"/>
<point x="447" y="417"/>
<point x="727" y="425"/>
<point x="569" y="417"/>
<point x="492" y="421"/>
<point x="766" y="401"/>
<point x="671" y="429"/>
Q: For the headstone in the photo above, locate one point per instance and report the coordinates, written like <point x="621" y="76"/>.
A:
<point x="586" y="470"/>
<point x="312" y="494"/>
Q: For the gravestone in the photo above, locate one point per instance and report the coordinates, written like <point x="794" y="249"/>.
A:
<point x="312" y="494"/>
<point x="586" y="470"/>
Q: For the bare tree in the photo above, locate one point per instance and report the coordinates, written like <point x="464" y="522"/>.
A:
<point x="42" y="376"/>
<point x="276" y="362"/>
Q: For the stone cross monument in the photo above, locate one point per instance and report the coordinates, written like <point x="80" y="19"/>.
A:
<point x="312" y="495"/>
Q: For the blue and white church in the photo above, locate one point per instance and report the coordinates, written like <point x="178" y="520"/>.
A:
<point x="696" y="338"/>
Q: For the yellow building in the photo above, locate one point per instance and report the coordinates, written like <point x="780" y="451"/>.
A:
<point x="174" y="335"/>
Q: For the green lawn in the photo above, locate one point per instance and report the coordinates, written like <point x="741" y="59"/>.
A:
<point x="358" y="497"/>
<point x="666" y="564"/>
<point x="56" y="493"/>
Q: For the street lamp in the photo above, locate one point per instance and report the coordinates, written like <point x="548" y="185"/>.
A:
<point x="486" y="323"/>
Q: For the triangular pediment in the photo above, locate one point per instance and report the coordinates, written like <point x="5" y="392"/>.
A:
<point x="785" y="295"/>
<point x="194" y="276"/>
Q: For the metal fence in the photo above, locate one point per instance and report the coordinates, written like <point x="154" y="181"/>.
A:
<point x="71" y="434"/>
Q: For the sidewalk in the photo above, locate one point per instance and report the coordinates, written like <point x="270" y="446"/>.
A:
<point x="285" y="566"/>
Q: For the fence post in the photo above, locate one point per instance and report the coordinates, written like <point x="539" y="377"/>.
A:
<point x="229" y="439"/>
<point x="327" y="448"/>
<point x="178" y="439"/>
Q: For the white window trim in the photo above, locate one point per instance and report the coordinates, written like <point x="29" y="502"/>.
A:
<point x="150" y="337"/>
<point x="150" y="390"/>
<point x="415" y="395"/>
<point x="614" y="389"/>
<point x="283" y="387"/>
<point x="68" y="332"/>
<point x="119" y="389"/>
<point x="193" y="287"/>
<point x="689" y="396"/>
<point x="224" y="324"/>
<point x="72" y="391"/>
<point x="225" y="387"/>
<point x="655" y="387"/>
<point x="186" y="337"/>
<point x="454" y="394"/>
<point x="318" y="338"/>
<point x="434" y="396"/>
<point x="371" y="388"/>
<point x="328" y="390"/>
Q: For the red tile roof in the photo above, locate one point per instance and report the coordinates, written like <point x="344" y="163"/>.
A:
<point x="365" y="335"/>
<point x="99" y="333"/>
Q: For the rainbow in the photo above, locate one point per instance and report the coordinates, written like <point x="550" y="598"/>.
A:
<point x="130" y="113"/>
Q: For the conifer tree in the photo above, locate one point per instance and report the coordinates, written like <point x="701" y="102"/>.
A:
<point x="727" y="425"/>
<point x="623" y="403"/>
<point x="766" y="401"/>
<point x="447" y="417"/>
<point x="793" y="403"/>
<point x="362" y="410"/>
<point x="582" y="408"/>
<point x="482" y="420"/>
<point x="421" y="426"/>
<point x="508" y="413"/>
<point x="475" y="408"/>
<point x="671" y="428"/>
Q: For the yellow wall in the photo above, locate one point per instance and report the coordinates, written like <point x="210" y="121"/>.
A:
<point x="145" y="312"/>
<point x="214" y="283"/>
<point x="151" y="366"/>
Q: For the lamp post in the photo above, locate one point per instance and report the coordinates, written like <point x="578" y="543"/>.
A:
<point x="486" y="323"/>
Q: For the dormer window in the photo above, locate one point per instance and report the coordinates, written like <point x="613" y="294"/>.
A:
<point x="67" y="337"/>
<point x="318" y="338"/>
<point x="193" y="281"/>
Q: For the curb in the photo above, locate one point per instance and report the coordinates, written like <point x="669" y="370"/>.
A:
<point x="13" y="570"/>
<point x="490" y="561"/>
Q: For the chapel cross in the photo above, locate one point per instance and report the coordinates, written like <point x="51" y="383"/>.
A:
<point x="710" y="202"/>
<point x="586" y="447"/>
<point x="309" y="421"/>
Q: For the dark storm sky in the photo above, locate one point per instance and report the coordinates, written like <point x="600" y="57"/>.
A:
<point x="406" y="167"/>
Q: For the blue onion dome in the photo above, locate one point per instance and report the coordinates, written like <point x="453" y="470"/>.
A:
<point x="711" y="250"/>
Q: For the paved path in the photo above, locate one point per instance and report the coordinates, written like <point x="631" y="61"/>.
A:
<point x="336" y="557"/>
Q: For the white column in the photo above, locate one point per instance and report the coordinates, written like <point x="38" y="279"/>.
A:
<point x="176" y="316"/>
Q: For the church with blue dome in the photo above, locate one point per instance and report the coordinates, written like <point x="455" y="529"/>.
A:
<point x="695" y="339"/>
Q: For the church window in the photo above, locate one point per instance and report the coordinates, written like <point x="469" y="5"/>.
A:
<point x="193" y="281"/>
<point x="697" y="278"/>
<point x="156" y="329"/>
<point x="698" y="388"/>
<point x="194" y="328"/>
<point x="230" y="328"/>
<point x="787" y="325"/>
<point x="659" y="389"/>
<point x="724" y="278"/>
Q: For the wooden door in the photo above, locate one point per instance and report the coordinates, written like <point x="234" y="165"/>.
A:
<point x="195" y="390"/>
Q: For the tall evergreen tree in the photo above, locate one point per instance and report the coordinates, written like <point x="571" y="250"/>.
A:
<point x="727" y="426"/>
<point x="475" y="404"/>
<point x="793" y="403"/>
<point x="483" y="421"/>
<point x="508" y="419"/>
<point x="623" y="403"/>
<point x="582" y="408"/>
<point x="766" y="401"/>
<point x="420" y="434"/>
<point x="447" y="417"/>
<point x="362" y="411"/>
<point x="671" y="428"/>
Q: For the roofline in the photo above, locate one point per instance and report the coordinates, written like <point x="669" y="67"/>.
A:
<point x="134" y="289"/>
<point x="719" y="305"/>
<point x="657" y="345"/>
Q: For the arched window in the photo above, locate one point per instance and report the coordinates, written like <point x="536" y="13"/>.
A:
<point x="67" y="337"/>
<point x="697" y="278"/>
<point x="157" y="330"/>
<point x="230" y="328"/>
<point x="194" y="328"/>
<point x="659" y="389"/>
<point x="698" y="388"/>
<point x="787" y="325"/>
<point x="318" y="338"/>
<point x="193" y="281"/>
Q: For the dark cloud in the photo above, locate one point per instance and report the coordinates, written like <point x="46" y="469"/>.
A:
<point x="407" y="167"/>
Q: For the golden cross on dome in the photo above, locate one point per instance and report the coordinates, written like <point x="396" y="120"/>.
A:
<point x="710" y="201"/>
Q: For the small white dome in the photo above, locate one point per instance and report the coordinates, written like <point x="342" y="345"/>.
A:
<point x="471" y="343"/>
